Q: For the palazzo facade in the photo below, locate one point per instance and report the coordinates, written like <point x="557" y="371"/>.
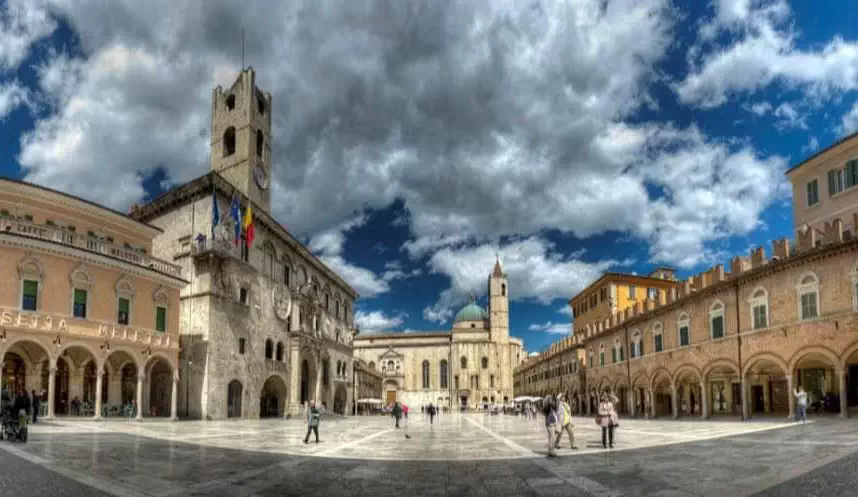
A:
<point x="467" y="367"/>
<point x="737" y="340"/>
<point x="264" y="329"/>
<point x="89" y="319"/>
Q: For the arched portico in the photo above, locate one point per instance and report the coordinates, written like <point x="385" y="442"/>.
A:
<point x="272" y="398"/>
<point x="687" y="391"/>
<point x="821" y="373"/>
<point x="21" y="363"/>
<point x="160" y="387"/>
<point x="640" y="394"/>
<point x="766" y="386"/>
<point x="662" y="393"/>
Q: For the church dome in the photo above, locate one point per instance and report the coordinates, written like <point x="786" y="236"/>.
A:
<point x="471" y="312"/>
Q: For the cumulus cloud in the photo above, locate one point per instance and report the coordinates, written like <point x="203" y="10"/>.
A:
<point x="377" y="321"/>
<point x="12" y="96"/>
<point x="790" y="117"/>
<point x="762" y="51"/>
<point x="849" y="122"/>
<point x="552" y="328"/>
<point x="565" y="310"/>
<point x="759" y="108"/>
<point x="812" y="145"/>
<point x="534" y="269"/>
<point x="22" y="23"/>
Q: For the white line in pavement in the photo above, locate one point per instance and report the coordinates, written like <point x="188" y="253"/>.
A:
<point x="359" y="441"/>
<point x="24" y="454"/>
<point x="524" y="451"/>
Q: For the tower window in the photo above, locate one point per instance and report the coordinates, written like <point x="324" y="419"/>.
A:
<point x="260" y="140"/>
<point x="261" y="106"/>
<point x="503" y="290"/>
<point x="230" y="102"/>
<point x="229" y="141"/>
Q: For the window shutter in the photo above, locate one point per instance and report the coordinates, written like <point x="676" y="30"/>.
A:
<point x="851" y="173"/>
<point x="31" y="288"/>
<point x="80" y="296"/>
<point x="123" y="305"/>
<point x="161" y="319"/>
<point x="832" y="182"/>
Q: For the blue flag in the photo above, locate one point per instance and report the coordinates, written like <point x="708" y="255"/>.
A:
<point x="235" y="212"/>
<point x="215" y="213"/>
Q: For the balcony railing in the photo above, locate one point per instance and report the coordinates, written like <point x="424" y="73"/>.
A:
<point x="59" y="235"/>
<point x="391" y="373"/>
<point x="277" y="366"/>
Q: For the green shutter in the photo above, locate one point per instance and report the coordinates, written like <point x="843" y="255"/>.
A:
<point x="123" y="305"/>
<point x="832" y="182"/>
<point x="31" y="288"/>
<point x="80" y="296"/>
<point x="851" y="173"/>
<point x="161" y="319"/>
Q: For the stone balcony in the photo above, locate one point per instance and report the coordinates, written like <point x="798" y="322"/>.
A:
<point x="62" y="236"/>
<point x="276" y="366"/>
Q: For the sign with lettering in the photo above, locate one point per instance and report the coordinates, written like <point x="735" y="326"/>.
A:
<point x="33" y="321"/>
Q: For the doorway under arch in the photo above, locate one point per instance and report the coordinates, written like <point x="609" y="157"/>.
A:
<point x="233" y="399"/>
<point x="272" y="399"/>
<point x="160" y="388"/>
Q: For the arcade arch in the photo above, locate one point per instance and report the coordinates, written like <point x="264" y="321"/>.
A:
<point x="272" y="398"/>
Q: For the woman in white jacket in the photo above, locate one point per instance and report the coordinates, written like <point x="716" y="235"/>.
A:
<point x="607" y="418"/>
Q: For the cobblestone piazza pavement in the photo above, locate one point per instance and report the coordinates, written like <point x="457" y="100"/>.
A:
<point x="468" y="455"/>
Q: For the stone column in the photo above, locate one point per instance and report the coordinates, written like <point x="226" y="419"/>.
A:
<point x="791" y="396"/>
<point x="767" y="397"/>
<point x="139" y="392"/>
<point x="52" y="375"/>
<point x="704" y="400"/>
<point x="651" y="396"/>
<point x="674" y="401"/>
<point x="745" y="401"/>
<point x="631" y="396"/>
<point x="318" y="388"/>
<point x="844" y="401"/>
<point x="98" y="386"/>
<point x="174" y="399"/>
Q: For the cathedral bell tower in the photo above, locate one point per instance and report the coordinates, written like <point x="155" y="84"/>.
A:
<point x="241" y="138"/>
<point x="498" y="305"/>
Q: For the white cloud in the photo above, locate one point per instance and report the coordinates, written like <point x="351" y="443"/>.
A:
<point x="790" y="117"/>
<point x="22" y="23"/>
<point x="552" y="328"/>
<point x="849" y="122"/>
<point x="762" y="51"/>
<point x="759" y="108"/>
<point x="377" y="321"/>
<point x="535" y="272"/>
<point x="812" y="146"/>
<point x="12" y="96"/>
<point x="565" y="310"/>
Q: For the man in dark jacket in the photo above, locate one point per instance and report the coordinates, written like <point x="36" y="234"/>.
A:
<point x="431" y="414"/>
<point x="22" y="402"/>
<point x="397" y="412"/>
<point x="36" y="403"/>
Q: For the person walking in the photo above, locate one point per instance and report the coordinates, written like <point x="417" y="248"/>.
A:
<point x="313" y="418"/>
<point x="564" y="415"/>
<point x="36" y="403"/>
<point x="431" y="411"/>
<point x="397" y="412"/>
<point x="801" y="404"/>
<point x="549" y="410"/>
<point x="607" y="418"/>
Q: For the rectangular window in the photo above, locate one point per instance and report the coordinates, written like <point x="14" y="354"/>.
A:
<point x="760" y="317"/>
<point x="631" y="291"/>
<point x="835" y="181"/>
<point x="851" y="174"/>
<point x="683" y="336"/>
<point x="812" y="193"/>
<point x="622" y="354"/>
<point x="30" y="297"/>
<point x="601" y="358"/>
<point x="718" y="327"/>
<point x="242" y="296"/>
<point x="286" y="276"/>
<point x="492" y="381"/>
<point x="161" y="319"/>
<point x="652" y="294"/>
<point x="79" y="308"/>
<point x="640" y="349"/>
<point x="808" y="305"/>
<point x="122" y="314"/>
<point x="659" y="346"/>
<point x="614" y="355"/>
<point x="241" y="346"/>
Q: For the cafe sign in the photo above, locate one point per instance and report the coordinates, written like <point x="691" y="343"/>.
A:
<point x="45" y="322"/>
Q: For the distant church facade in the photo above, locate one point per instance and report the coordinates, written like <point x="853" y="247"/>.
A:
<point x="468" y="366"/>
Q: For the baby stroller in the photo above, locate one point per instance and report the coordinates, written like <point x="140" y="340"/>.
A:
<point x="14" y="427"/>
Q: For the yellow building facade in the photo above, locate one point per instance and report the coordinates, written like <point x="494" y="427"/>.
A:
<point x="89" y="320"/>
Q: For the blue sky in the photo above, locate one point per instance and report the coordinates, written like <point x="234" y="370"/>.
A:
<point x="413" y="140"/>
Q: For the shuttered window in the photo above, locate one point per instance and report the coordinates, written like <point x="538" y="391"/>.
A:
<point x="161" y="319"/>
<point x="122" y="314"/>
<point x="79" y="303"/>
<point x="30" y="296"/>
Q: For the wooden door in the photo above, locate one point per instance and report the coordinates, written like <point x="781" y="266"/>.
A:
<point x="391" y="397"/>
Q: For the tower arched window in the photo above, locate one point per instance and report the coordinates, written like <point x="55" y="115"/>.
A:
<point x="230" y="102"/>
<point x="485" y="362"/>
<point x="425" y="374"/>
<point x="279" y="355"/>
<point x="260" y="141"/>
<point x="229" y="141"/>
<point x="503" y="289"/>
<point x="444" y="374"/>
<point x="464" y="362"/>
<point x="260" y="105"/>
<point x="269" y="349"/>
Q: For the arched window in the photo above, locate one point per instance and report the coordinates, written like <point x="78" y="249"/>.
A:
<point x="279" y="355"/>
<point x="425" y="374"/>
<point x="269" y="349"/>
<point x="390" y="365"/>
<point x="230" y="102"/>
<point x="31" y="271"/>
<point x="229" y="141"/>
<point x="464" y="362"/>
<point x="657" y="337"/>
<point x="337" y="308"/>
<point x="327" y="302"/>
<point x="808" y="296"/>
<point x="684" y="326"/>
<point x="444" y="374"/>
<point x="260" y="105"/>
<point x="617" y="352"/>
<point x="260" y="141"/>
<point x="716" y="320"/>
<point x="485" y="362"/>
<point x="371" y="365"/>
<point x="287" y="275"/>
<point x="602" y="355"/>
<point x="637" y="344"/>
<point x="759" y="308"/>
<point x="503" y="289"/>
<point x="326" y="372"/>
